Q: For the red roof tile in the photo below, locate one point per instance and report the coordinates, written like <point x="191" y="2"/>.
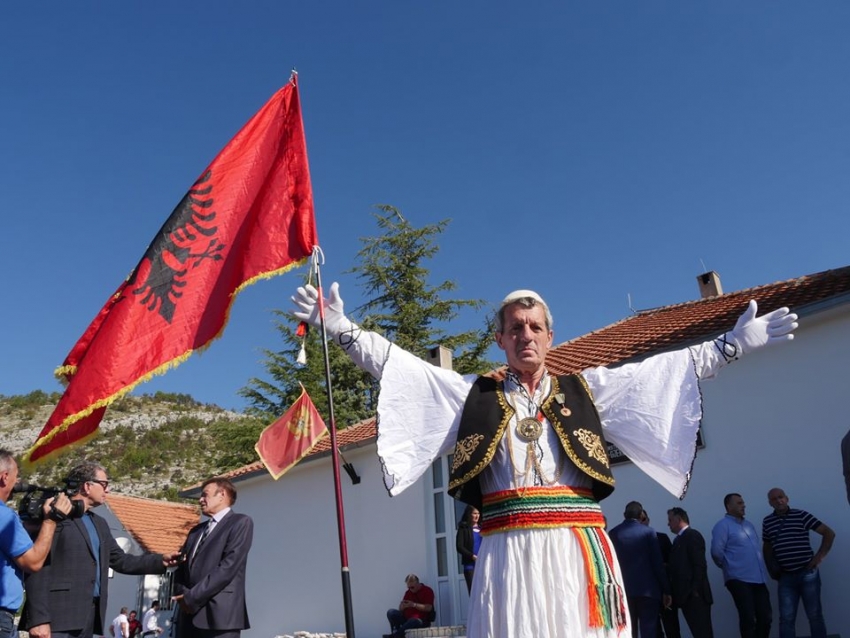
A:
<point x="647" y="332"/>
<point x="651" y="331"/>
<point x="158" y="526"/>
<point x="351" y="437"/>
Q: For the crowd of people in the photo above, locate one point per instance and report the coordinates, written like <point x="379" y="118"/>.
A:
<point x="64" y="562"/>
<point x="529" y="454"/>
<point x="529" y="458"/>
<point x="662" y="578"/>
<point x="127" y="624"/>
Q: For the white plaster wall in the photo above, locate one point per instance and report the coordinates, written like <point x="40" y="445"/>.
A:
<point x="294" y="576"/>
<point x="124" y="588"/>
<point x="773" y="419"/>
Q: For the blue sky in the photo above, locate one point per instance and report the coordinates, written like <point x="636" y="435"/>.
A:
<point x="590" y="151"/>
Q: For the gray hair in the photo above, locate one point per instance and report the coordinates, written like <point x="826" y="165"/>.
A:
<point x="84" y="473"/>
<point x="526" y="299"/>
<point x="7" y="460"/>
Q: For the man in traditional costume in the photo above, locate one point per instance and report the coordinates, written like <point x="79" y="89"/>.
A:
<point x="530" y="453"/>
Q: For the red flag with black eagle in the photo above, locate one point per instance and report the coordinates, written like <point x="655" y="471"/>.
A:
<point x="291" y="437"/>
<point x="248" y="216"/>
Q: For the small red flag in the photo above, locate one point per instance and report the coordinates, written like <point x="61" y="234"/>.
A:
<point x="249" y="216"/>
<point x="291" y="437"/>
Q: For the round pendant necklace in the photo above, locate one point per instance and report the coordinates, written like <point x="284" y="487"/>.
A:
<point x="529" y="429"/>
<point x="532" y="462"/>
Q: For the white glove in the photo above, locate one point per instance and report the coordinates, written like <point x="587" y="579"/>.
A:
<point x="337" y="325"/>
<point x="751" y="332"/>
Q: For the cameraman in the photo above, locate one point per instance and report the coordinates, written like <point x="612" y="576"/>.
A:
<point x="68" y="598"/>
<point x="17" y="552"/>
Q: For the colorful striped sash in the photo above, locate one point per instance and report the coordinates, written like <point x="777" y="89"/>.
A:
<point x="575" y="508"/>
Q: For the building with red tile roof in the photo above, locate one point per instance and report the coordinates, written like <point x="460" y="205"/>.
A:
<point x="645" y="333"/>
<point x="774" y="418"/>
<point x="157" y="526"/>
<point x="145" y="525"/>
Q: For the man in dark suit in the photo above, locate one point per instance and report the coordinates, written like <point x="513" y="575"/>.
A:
<point x="211" y="579"/>
<point x="68" y="597"/>
<point x="643" y="571"/>
<point x="689" y="574"/>
<point x="669" y="619"/>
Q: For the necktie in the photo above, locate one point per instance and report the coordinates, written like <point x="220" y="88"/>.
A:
<point x="204" y="535"/>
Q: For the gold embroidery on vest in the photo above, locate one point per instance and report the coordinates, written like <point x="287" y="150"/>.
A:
<point x="593" y="444"/>
<point x="565" y="440"/>
<point x="508" y="413"/>
<point x="464" y="450"/>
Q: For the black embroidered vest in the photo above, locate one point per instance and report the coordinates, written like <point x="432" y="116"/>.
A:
<point x="487" y="413"/>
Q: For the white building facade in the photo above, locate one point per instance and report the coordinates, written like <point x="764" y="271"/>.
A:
<point x="774" y="419"/>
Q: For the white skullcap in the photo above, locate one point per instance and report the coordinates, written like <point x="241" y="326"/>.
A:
<point x="522" y="294"/>
<point x="516" y="295"/>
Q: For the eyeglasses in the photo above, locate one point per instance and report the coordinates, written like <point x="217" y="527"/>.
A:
<point x="102" y="482"/>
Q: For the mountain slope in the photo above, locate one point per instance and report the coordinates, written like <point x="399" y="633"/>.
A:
<point x="151" y="446"/>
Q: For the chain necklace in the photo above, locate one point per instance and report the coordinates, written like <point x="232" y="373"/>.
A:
<point x="531" y="462"/>
<point x="529" y="429"/>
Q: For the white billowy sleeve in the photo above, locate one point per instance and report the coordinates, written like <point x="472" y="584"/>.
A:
<point x="419" y="408"/>
<point x="652" y="409"/>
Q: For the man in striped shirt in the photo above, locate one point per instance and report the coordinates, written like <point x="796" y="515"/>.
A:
<point x="785" y="533"/>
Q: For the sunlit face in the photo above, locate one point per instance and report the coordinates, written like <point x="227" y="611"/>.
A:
<point x="736" y="507"/>
<point x="11" y="477"/>
<point x="97" y="489"/>
<point x="213" y="499"/>
<point x="778" y="500"/>
<point x="475" y="516"/>
<point x="525" y="338"/>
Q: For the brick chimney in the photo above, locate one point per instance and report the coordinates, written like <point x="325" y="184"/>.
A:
<point x="709" y="284"/>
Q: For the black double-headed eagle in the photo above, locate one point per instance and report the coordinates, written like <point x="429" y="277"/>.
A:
<point x="183" y="243"/>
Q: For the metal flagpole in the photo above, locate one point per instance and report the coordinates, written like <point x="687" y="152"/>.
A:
<point x="340" y="514"/>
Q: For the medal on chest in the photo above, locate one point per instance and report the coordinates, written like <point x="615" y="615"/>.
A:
<point x="530" y="428"/>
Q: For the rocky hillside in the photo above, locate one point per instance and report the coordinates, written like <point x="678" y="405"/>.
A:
<point x="151" y="446"/>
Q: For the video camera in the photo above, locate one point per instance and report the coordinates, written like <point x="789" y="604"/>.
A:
<point x="31" y="507"/>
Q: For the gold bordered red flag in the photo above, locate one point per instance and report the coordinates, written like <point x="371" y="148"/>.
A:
<point x="248" y="216"/>
<point x="291" y="437"/>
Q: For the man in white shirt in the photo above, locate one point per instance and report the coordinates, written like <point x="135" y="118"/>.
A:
<point x="150" y="621"/>
<point x="120" y="626"/>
